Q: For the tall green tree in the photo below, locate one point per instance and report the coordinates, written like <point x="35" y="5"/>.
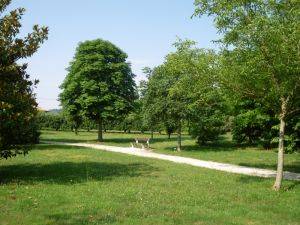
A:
<point x="261" y="55"/>
<point x="100" y="82"/>
<point x="199" y="89"/>
<point x="18" y="107"/>
<point x="177" y="67"/>
<point x="69" y="98"/>
<point x="185" y="89"/>
<point x="155" y="102"/>
<point x="149" y="116"/>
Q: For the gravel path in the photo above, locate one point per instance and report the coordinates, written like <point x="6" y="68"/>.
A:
<point x="190" y="161"/>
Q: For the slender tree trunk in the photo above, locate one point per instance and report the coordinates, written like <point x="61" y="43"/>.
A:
<point x="189" y="126"/>
<point x="151" y="134"/>
<point x="179" y="138"/>
<point x="169" y="135"/>
<point x="100" y="136"/>
<point x="279" y="174"/>
<point x="76" y="131"/>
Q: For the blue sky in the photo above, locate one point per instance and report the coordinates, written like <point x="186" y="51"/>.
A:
<point x="144" y="29"/>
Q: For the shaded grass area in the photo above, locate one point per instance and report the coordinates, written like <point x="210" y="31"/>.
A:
<point x="222" y="151"/>
<point x="71" y="172"/>
<point x="68" y="185"/>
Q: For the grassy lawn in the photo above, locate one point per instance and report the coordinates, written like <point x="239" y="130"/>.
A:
<point x="67" y="185"/>
<point x="224" y="151"/>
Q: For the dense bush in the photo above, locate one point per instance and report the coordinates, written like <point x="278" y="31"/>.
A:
<point x="208" y="126"/>
<point x="292" y="135"/>
<point x="249" y="126"/>
<point x="256" y="126"/>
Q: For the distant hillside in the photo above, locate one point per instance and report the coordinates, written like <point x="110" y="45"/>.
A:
<point x="54" y="111"/>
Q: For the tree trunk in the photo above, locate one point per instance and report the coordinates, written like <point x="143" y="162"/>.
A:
<point x="76" y="131"/>
<point x="279" y="174"/>
<point x="151" y="134"/>
<point x="179" y="138"/>
<point x="100" y="137"/>
<point x="169" y="135"/>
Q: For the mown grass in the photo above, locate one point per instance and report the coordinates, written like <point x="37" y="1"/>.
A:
<point x="222" y="151"/>
<point x="67" y="185"/>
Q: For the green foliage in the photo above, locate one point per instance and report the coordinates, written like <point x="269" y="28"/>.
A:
<point x="207" y="111"/>
<point x="18" y="128"/>
<point x="253" y="122"/>
<point x="261" y="57"/>
<point x="250" y="125"/>
<point x="53" y="121"/>
<point x="170" y="127"/>
<point x="99" y="84"/>
<point x="185" y="89"/>
<point x="292" y="135"/>
<point x="133" y="120"/>
<point x="156" y="104"/>
<point x="293" y="131"/>
<point x="207" y="124"/>
<point x="87" y="124"/>
<point x="18" y="108"/>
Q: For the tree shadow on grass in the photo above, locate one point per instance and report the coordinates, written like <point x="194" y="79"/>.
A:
<point x="119" y="140"/>
<point x="67" y="140"/>
<point x="286" y="186"/>
<point x="294" y="167"/>
<point x="250" y="179"/>
<point x="71" y="172"/>
<point x="220" y="145"/>
<point x="215" y="147"/>
<point x="82" y="218"/>
<point x="44" y="147"/>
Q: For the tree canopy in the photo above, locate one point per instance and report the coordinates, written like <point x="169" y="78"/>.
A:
<point x="260" y="55"/>
<point x="184" y="89"/>
<point x="99" y="84"/>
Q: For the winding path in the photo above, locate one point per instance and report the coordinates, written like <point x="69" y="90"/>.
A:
<point x="190" y="161"/>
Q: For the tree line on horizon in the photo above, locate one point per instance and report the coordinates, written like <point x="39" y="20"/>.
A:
<point x="250" y="86"/>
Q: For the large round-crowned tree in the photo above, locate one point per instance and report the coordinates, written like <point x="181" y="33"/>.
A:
<point x="100" y="84"/>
